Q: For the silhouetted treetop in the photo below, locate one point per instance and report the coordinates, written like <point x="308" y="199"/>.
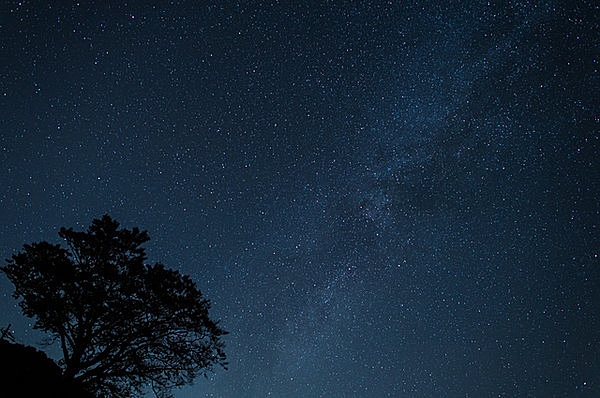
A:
<point x="123" y="325"/>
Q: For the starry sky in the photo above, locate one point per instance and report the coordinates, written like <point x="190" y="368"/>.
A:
<point x="381" y="199"/>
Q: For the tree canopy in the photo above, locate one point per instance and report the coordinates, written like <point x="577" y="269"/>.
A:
<point x="124" y="326"/>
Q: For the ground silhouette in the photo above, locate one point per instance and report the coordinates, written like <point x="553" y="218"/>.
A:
<point x="27" y="372"/>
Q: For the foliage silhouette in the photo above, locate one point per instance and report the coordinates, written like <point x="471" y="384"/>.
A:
<point x="5" y="335"/>
<point x="124" y="326"/>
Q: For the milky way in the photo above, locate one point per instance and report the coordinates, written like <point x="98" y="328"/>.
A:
<point x="380" y="199"/>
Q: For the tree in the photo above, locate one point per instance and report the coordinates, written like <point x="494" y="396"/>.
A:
<point x="124" y="326"/>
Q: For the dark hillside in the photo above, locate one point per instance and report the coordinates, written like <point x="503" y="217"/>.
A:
<point x="28" y="372"/>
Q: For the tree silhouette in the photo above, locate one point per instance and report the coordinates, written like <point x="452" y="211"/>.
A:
<point x="124" y="326"/>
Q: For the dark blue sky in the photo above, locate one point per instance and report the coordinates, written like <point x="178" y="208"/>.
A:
<point x="380" y="198"/>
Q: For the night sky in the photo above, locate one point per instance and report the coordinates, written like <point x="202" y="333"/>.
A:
<point x="381" y="199"/>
